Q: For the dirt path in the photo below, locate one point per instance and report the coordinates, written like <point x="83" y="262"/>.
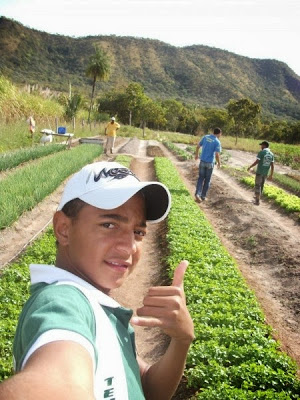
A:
<point x="264" y="242"/>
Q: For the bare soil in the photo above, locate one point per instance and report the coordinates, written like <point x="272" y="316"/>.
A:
<point x="264" y="242"/>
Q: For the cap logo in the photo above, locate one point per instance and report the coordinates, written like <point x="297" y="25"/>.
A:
<point x="113" y="173"/>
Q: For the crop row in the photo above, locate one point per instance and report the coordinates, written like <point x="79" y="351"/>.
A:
<point x="181" y="154"/>
<point x="234" y="355"/>
<point x="289" y="202"/>
<point x="14" y="291"/>
<point x="14" y="158"/>
<point x="287" y="182"/>
<point x="27" y="186"/>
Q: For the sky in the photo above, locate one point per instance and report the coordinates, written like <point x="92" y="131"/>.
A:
<point x="265" y="29"/>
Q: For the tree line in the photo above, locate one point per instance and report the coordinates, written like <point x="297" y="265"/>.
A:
<point x="131" y="105"/>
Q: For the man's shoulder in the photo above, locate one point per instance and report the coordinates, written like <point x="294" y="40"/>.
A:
<point x="204" y="138"/>
<point x="62" y="293"/>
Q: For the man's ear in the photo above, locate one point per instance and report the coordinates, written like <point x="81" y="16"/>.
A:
<point x="61" y="224"/>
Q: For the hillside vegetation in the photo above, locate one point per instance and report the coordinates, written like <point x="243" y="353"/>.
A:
<point x="195" y="74"/>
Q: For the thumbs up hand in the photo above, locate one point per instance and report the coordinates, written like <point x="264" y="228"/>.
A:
<point x="165" y="307"/>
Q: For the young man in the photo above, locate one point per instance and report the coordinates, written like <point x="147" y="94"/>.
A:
<point x="264" y="161"/>
<point x="211" y="149"/>
<point x="73" y="341"/>
<point x="111" y="132"/>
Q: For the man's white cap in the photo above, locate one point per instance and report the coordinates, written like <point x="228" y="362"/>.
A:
<point x="108" y="185"/>
<point x="113" y="118"/>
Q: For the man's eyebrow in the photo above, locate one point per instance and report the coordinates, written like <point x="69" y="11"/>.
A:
<point x="118" y="217"/>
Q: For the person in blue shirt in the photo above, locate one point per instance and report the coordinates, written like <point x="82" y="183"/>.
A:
<point x="211" y="149"/>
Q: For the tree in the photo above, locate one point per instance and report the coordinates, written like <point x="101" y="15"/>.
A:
<point x="150" y="112"/>
<point x="173" y="109"/>
<point x="98" y="68"/>
<point x="134" y="95"/>
<point x="72" y="105"/>
<point x="214" y="117"/>
<point x="244" y="112"/>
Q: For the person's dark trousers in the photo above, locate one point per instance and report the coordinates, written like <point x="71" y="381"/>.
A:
<point x="205" y="173"/>
<point x="259" y="184"/>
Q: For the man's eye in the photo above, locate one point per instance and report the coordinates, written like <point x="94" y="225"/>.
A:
<point x="108" y="225"/>
<point x="140" y="233"/>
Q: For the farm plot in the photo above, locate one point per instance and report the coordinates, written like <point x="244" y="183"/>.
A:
<point x="149" y="262"/>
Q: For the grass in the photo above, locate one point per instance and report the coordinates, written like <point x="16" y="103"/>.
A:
<point x="15" y="135"/>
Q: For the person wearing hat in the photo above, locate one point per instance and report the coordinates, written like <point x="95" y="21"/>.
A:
<point x="74" y="341"/>
<point x="111" y="133"/>
<point x="264" y="161"/>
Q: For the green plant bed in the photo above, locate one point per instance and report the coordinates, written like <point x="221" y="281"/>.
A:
<point x="233" y="355"/>
<point x="26" y="187"/>
<point x="14" y="291"/>
<point x="287" y="182"/>
<point x="181" y="154"/>
<point x="15" y="158"/>
<point x="289" y="202"/>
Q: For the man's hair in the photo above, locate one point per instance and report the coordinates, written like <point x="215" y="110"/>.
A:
<point x="72" y="208"/>
<point x="217" y="131"/>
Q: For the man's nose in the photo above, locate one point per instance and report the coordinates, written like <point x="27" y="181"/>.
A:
<point x="127" y="243"/>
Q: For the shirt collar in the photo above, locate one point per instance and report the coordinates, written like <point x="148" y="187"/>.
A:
<point x="40" y="273"/>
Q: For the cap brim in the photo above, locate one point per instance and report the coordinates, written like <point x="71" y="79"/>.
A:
<point x="157" y="198"/>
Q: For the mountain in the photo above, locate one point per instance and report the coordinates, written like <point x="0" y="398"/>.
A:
<point x="195" y="74"/>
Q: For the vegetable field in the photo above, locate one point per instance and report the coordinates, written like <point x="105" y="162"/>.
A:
<point x="236" y="354"/>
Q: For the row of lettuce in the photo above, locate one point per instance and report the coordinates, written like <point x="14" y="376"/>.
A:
<point x="234" y="355"/>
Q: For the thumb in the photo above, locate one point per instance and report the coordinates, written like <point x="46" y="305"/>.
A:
<point x="179" y="274"/>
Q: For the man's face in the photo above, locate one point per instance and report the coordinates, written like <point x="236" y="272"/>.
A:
<point x="104" y="246"/>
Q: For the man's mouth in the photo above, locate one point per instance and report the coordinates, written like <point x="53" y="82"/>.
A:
<point x="118" y="265"/>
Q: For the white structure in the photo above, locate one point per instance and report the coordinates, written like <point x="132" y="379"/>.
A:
<point x="47" y="136"/>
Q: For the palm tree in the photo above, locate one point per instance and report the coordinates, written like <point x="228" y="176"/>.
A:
<point x="98" y="68"/>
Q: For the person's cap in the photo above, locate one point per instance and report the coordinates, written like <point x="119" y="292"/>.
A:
<point x="113" y="118"/>
<point x="108" y="185"/>
<point x="265" y="143"/>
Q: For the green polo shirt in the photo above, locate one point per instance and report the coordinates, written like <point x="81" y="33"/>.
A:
<point x="265" y="157"/>
<point x="66" y="309"/>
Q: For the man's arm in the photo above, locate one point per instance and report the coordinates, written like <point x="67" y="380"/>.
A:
<point x="272" y="171"/>
<point x="165" y="307"/>
<point x="58" y="370"/>
<point x="253" y="165"/>
<point x="218" y="159"/>
<point x="197" y="151"/>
